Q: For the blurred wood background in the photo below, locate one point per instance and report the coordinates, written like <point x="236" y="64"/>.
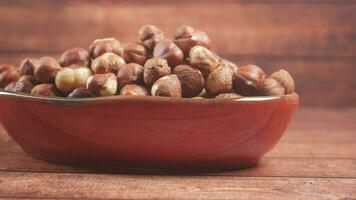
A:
<point x="314" y="40"/>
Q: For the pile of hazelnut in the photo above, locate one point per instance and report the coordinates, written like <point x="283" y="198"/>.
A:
<point x="183" y="67"/>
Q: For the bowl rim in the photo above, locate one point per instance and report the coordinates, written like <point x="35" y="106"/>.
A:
<point x="129" y="98"/>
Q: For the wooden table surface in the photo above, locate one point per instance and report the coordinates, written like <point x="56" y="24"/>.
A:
<point x="315" y="159"/>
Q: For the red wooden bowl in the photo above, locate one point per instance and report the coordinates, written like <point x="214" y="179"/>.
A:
<point x="147" y="132"/>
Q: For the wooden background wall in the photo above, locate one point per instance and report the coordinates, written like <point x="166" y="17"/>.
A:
<point x="314" y="40"/>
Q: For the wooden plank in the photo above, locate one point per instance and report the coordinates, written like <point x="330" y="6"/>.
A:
<point x="37" y="185"/>
<point x="238" y="29"/>
<point x="315" y="78"/>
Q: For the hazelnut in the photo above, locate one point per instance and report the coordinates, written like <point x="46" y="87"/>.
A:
<point x="228" y="96"/>
<point x="203" y="59"/>
<point x="130" y="73"/>
<point x="154" y="69"/>
<point x="46" y="69"/>
<point x="248" y="80"/>
<point x="27" y="66"/>
<point x="107" y="63"/>
<point x="168" y="50"/>
<point x="102" y="84"/>
<point x="150" y="35"/>
<point x="285" y="79"/>
<point x="10" y="87"/>
<point x="72" y="56"/>
<point x="69" y="78"/>
<point x="101" y="46"/>
<point x="23" y="86"/>
<point x="49" y="90"/>
<point x="134" y="53"/>
<point x="29" y="78"/>
<point x="272" y="87"/>
<point x="133" y="89"/>
<point x="191" y="79"/>
<point x="220" y="80"/>
<point x="187" y="37"/>
<point x="167" y="86"/>
<point x="80" y="92"/>
<point x="5" y="67"/>
<point x="8" y="76"/>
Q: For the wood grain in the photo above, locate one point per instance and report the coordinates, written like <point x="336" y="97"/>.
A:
<point x="235" y="29"/>
<point x="74" y="186"/>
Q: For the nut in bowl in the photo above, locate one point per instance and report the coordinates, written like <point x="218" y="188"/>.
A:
<point x="203" y="114"/>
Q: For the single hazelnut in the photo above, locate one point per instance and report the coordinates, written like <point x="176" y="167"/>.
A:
<point x="27" y="66"/>
<point x="272" y="87"/>
<point x="102" y="84"/>
<point x="46" y="69"/>
<point x="8" y="76"/>
<point x="134" y="53"/>
<point x="133" y="89"/>
<point x="23" y="86"/>
<point x="75" y="55"/>
<point x="154" y="69"/>
<point x="187" y="37"/>
<point x="69" y="78"/>
<point x="285" y="79"/>
<point x="203" y="59"/>
<point x="248" y="80"/>
<point x="191" y="79"/>
<point x="80" y="92"/>
<point x="150" y="35"/>
<point x="220" y="80"/>
<point x="167" y="49"/>
<point x="105" y="45"/>
<point x="10" y="87"/>
<point x="49" y="90"/>
<point x="129" y="74"/>
<point x="107" y="63"/>
<point x="228" y="96"/>
<point x="167" y="86"/>
<point x="29" y="78"/>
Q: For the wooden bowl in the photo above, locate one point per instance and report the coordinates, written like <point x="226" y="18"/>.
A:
<point x="147" y="132"/>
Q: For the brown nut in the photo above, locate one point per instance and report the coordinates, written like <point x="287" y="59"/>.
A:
<point x="23" y="86"/>
<point x="167" y="86"/>
<point x="133" y="89"/>
<point x="150" y="35"/>
<point x="5" y="67"/>
<point x="167" y="49"/>
<point x="272" y="87"/>
<point x="75" y="55"/>
<point x="220" y="80"/>
<point x="105" y="45"/>
<point x="107" y="63"/>
<point x="134" y="53"/>
<point x="69" y="78"/>
<point x="46" y="69"/>
<point x="285" y="79"/>
<point x="187" y="37"/>
<point x="49" y="90"/>
<point x="8" y="76"/>
<point x="154" y="69"/>
<point x="248" y="80"/>
<point x="228" y="96"/>
<point x="203" y="59"/>
<point x="29" y="78"/>
<point x="102" y="84"/>
<point x="226" y="62"/>
<point x="27" y="66"/>
<point x="80" y="92"/>
<point x="130" y="73"/>
<point x="191" y="80"/>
